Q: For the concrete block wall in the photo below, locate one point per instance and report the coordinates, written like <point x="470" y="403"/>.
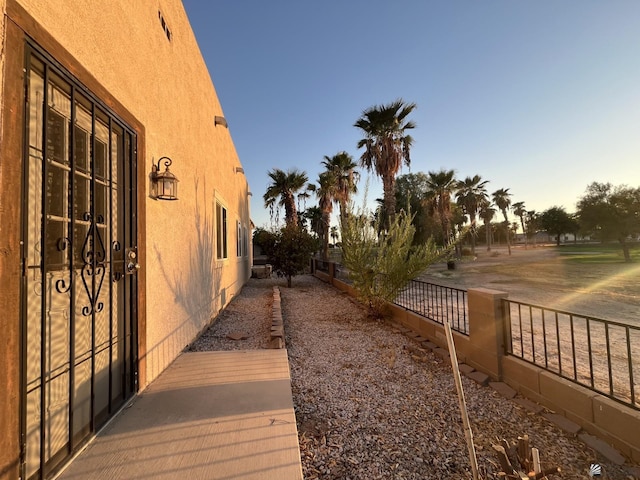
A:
<point x="484" y="350"/>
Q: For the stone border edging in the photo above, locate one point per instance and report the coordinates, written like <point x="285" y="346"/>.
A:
<point x="276" y="339"/>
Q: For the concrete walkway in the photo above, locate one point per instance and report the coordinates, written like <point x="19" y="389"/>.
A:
<point x="210" y="415"/>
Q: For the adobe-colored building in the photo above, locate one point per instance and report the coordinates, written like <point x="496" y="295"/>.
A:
<point x="103" y="279"/>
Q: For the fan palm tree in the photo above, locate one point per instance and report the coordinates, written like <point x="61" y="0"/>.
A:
<point x="503" y="202"/>
<point x="334" y="234"/>
<point x="470" y="192"/>
<point x="282" y="190"/>
<point x="314" y="216"/>
<point x="520" y="211"/>
<point x="441" y="186"/>
<point x="387" y="145"/>
<point x="343" y="168"/>
<point x="326" y="191"/>
<point x="486" y="213"/>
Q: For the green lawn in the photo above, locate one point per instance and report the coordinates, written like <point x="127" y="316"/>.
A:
<point x="597" y="253"/>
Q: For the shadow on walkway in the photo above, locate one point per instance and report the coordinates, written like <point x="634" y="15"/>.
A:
<point x="210" y="415"/>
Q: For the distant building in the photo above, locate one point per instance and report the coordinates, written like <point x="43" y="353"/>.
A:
<point x="102" y="281"/>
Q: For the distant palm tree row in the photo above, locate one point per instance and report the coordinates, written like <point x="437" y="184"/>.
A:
<point x="387" y="146"/>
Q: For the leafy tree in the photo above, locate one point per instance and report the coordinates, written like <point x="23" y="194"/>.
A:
<point x="470" y="192"/>
<point x="520" y="212"/>
<point x="282" y="190"/>
<point x="263" y="239"/>
<point x="458" y="219"/>
<point x="556" y="221"/>
<point x="611" y="213"/>
<point x="387" y="145"/>
<point x="410" y="192"/>
<point x="502" y="201"/>
<point x="533" y="225"/>
<point x="441" y="186"/>
<point x="343" y="169"/>
<point x="289" y="250"/>
<point x="380" y="266"/>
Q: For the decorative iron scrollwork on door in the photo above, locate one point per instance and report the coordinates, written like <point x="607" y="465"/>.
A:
<point x="61" y="284"/>
<point x="93" y="268"/>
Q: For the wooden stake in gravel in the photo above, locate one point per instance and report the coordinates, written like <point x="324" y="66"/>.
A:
<point x="463" y="406"/>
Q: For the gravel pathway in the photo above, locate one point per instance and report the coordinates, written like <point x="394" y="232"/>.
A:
<point x="371" y="404"/>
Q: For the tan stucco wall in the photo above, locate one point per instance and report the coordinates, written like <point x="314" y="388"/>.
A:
<point x="166" y="86"/>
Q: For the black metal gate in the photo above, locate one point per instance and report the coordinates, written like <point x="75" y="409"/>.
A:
<point x="79" y="290"/>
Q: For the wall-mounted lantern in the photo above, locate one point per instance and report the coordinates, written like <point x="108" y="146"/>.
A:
<point x="164" y="185"/>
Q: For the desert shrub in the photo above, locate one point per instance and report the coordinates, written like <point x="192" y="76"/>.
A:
<point x="381" y="264"/>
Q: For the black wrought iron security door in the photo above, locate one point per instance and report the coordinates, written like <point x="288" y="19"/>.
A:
<point x="79" y="297"/>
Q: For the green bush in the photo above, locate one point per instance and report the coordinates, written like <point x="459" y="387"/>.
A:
<point x="289" y="250"/>
<point x="381" y="265"/>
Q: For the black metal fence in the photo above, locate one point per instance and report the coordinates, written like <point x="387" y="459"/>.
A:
<point x="595" y="353"/>
<point x="436" y="302"/>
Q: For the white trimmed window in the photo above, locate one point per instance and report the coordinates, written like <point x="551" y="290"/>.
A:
<point x="221" y="232"/>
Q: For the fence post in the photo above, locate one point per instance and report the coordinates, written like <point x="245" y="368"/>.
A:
<point x="332" y="271"/>
<point x="486" y="330"/>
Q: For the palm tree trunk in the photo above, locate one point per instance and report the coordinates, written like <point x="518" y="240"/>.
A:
<point x="507" y="230"/>
<point x="388" y="185"/>
<point x="472" y="218"/>
<point x="524" y="232"/>
<point x="325" y="235"/>
<point x="290" y="211"/>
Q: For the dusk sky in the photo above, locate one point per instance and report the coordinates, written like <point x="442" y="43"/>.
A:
<point x="541" y="97"/>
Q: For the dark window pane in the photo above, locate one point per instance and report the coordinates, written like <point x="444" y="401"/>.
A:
<point x="80" y="151"/>
<point x="100" y="159"/>
<point x="56" y="190"/>
<point x="81" y="196"/>
<point x="56" y="138"/>
<point x="100" y="203"/>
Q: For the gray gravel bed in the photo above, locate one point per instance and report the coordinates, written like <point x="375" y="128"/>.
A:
<point x="371" y="404"/>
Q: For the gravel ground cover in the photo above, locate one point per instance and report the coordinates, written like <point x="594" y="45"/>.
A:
<point x="371" y="404"/>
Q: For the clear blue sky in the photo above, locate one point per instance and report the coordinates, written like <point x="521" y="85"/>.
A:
<point x="541" y="97"/>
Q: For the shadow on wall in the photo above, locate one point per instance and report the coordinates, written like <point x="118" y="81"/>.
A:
<point x="198" y="289"/>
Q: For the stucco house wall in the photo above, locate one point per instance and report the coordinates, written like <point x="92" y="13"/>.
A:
<point x="145" y="55"/>
<point x="165" y="84"/>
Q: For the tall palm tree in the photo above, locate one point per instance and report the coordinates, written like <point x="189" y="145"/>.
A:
<point x="314" y="216"/>
<point x="486" y="213"/>
<point x="334" y="234"/>
<point x="441" y="186"/>
<point x="470" y="192"/>
<point x="387" y="145"/>
<point x="343" y="168"/>
<point x="520" y="211"/>
<point x="327" y="189"/>
<point x="533" y="219"/>
<point x="282" y="190"/>
<point x="502" y="201"/>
